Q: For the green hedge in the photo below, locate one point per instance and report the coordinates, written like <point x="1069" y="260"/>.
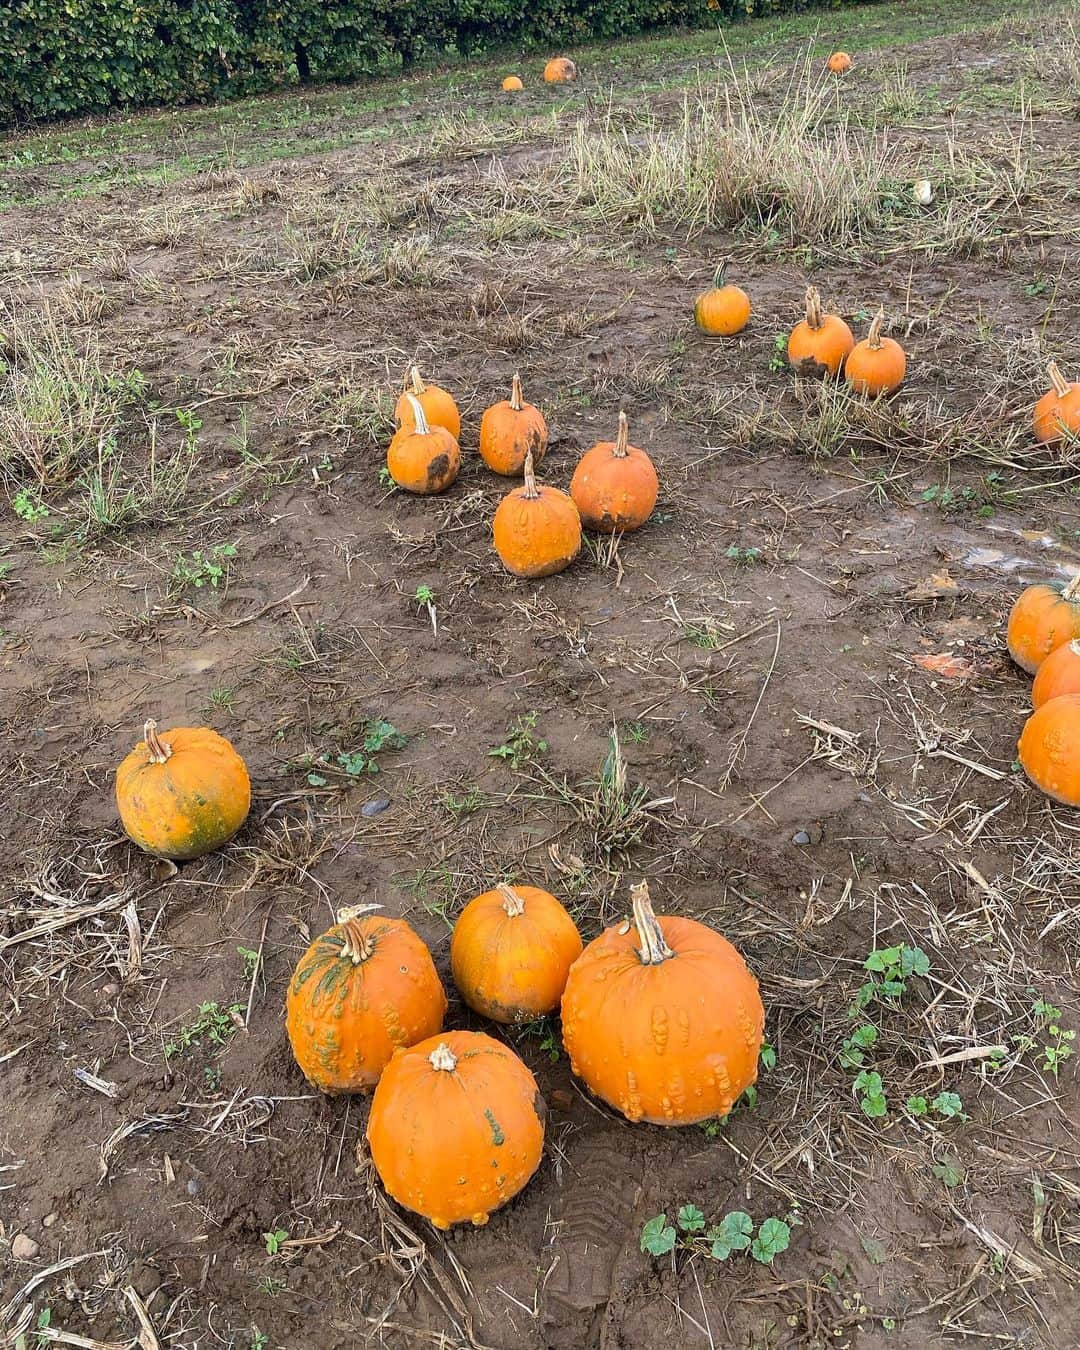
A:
<point x="70" y="56"/>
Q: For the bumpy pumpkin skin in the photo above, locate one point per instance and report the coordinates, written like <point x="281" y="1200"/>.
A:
<point x="510" y="431"/>
<point x="1059" y="674"/>
<point x="819" y="345"/>
<point x="456" y="1143"/>
<point x="439" y="406"/>
<point x="1044" y="617"/>
<point x="347" y="1016"/>
<point x="877" y="365"/>
<point x="614" y="486"/>
<point x="723" y="310"/>
<point x="1057" y="413"/>
<point x="189" y="805"/>
<point x="560" y="70"/>
<point x="511" y="952"/>
<point x="1049" y="749"/>
<point x="423" y="458"/>
<point x="536" y="529"/>
<point x="670" y="1043"/>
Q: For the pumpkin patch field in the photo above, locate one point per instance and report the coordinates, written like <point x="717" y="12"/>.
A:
<point x="540" y="695"/>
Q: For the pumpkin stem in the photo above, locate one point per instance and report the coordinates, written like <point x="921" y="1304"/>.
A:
<point x="813" y="307"/>
<point x="420" y="420"/>
<point x="512" y="902"/>
<point x="418" y="385"/>
<point x="1072" y="590"/>
<point x="516" y="399"/>
<point x="720" y="279"/>
<point x="622" y="440"/>
<point x="653" y="950"/>
<point x="873" y="338"/>
<point x="357" y="946"/>
<point x="1061" y="385"/>
<point x="443" y="1058"/>
<point x="530" y="491"/>
<point x="160" y="750"/>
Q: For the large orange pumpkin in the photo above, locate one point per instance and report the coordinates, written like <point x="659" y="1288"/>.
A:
<point x="614" y="486"/>
<point x="510" y="953"/>
<point x="723" y="309"/>
<point x="1049" y="749"/>
<point x="662" y="1019"/>
<point x="456" y="1127"/>
<point x="364" y="989"/>
<point x="439" y="406"/>
<point x="1044" y="617"/>
<point x="422" y="458"/>
<point x="182" y="793"/>
<point x="509" y="431"/>
<point x="820" y="344"/>
<point x="1057" y="413"/>
<point x="877" y="365"/>
<point x="537" y="529"/>
<point x="560" y="70"/>
<point x="1059" y="674"/>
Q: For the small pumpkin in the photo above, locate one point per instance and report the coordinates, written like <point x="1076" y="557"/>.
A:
<point x="723" y="309"/>
<point x="182" y="793"/>
<point x="876" y="365"/>
<point x="509" y="431"/>
<point x="512" y="84"/>
<point x="1043" y="617"/>
<point x="1059" y="674"/>
<point x="422" y="458"/>
<point x="820" y="344"/>
<point x="839" y="62"/>
<point x="560" y="70"/>
<point x="365" y="988"/>
<point x="456" y="1127"/>
<point x="1057" y="413"/>
<point x="439" y="406"/>
<point x="511" y="951"/>
<point x="662" y="1019"/>
<point x="537" y="529"/>
<point x="614" y="486"/>
<point x="1049" y="749"/>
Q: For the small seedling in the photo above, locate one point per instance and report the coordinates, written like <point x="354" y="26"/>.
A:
<point x="259" y="1341"/>
<point x="946" y="1104"/>
<point x="734" y="1233"/>
<point x="212" y="1022"/>
<point x="743" y="557"/>
<point x="778" y="360"/>
<point x="464" y="805"/>
<point x="386" y="479"/>
<point x="853" y="1051"/>
<point x="252" y="962"/>
<point x="209" y="568"/>
<point x="894" y="965"/>
<point x="1058" y="1048"/>
<point x="28" y="507"/>
<point x="870" y="1090"/>
<point x="545" y="1031"/>
<point x="520" y="745"/>
<point x="425" y="599"/>
<point x="274" y="1240"/>
<point x="951" y="1171"/>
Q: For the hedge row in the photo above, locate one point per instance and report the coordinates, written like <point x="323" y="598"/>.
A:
<point x="70" y="56"/>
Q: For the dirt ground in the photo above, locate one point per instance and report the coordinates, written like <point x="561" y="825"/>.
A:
<point x="208" y="315"/>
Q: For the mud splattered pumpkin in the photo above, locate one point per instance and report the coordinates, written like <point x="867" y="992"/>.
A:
<point x="819" y="345"/>
<point x="422" y="457"/>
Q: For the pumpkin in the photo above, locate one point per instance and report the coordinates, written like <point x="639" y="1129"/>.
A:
<point x="537" y="529"/>
<point x="364" y="989"/>
<point x="1057" y="413"/>
<point x="819" y="345"/>
<point x="182" y="793"/>
<point x="723" y="309"/>
<point x="662" y="1019"/>
<point x="1044" y="617"/>
<point x="456" y="1127"/>
<point x="510" y="953"/>
<point x="512" y="84"/>
<point x="422" y="458"/>
<point x="560" y="70"/>
<point x="1059" y="674"/>
<point x="839" y="62"/>
<point x="876" y="365"/>
<point x="614" y="486"/>
<point x="439" y="406"/>
<point x="1049" y="749"/>
<point x="509" y="431"/>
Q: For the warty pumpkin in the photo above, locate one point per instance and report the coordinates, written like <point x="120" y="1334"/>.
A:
<point x="537" y="529"/>
<point x="820" y="344"/>
<point x="839" y="62"/>
<point x="1058" y="674"/>
<point x="510" y="430"/>
<point x="560" y="70"/>
<point x="512" y="84"/>
<point x="1049" y="749"/>
<point x="614" y="486"/>
<point x="876" y="365"/>
<point x="1043" y="617"/>
<point x="456" y="1127"/>
<point x="182" y="793"/>
<point x="422" y="458"/>
<point x="365" y="988"/>
<point x="662" y="1019"/>
<point x="723" y="309"/>
<point x="510" y="953"/>
<point x="1057" y="413"/>
<point x="439" y="406"/>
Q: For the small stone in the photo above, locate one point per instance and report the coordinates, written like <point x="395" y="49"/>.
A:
<point x="23" y="1247"/>
<point x="49" y="1219"/>
<point x="800" y="837"/>
<point x="375" y="806"/>
<point x="192" y="1186"/>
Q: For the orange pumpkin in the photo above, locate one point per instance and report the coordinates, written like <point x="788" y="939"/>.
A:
<point x="560" y="70"/>
<point x="722" y="310"/>
<point x="182" y="793"/>
<point x="1044" y="617"/>
<point x="839" y="62"/>
<point x="456" y="1127"/>
<point x="364" y="989"/>
<point x="1057" y="413"/>
<point x="614" y="486"/>
<point x="876" y="365"/>
<point x="537" y="529"/>
<point x="1059" y="674"/>
<point x="820" y="344"/>
<point x="662" y="1019"/>
<point x="1049" y="749"/>
<point x="511" y="951"/>
<point x="512" y="84"/>
<point x="509" y="431"/>
<point x="422" y="458"/>
<point x="439" y="406"/>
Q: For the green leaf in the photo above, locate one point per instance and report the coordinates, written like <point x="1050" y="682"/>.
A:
<point x="915" y="961"/>
<point x="316" y="780"/>
<point x="658" y="1236"/>
<point x="917" y="1106"/>
<point x="883" y="959"/>
<point x="690" y="1219"/>
<point x="951" y="1171"/>
<point x="773" y="1237"/>
<point x="948" y="1104"/>
<point x="731" y="1235"/>
<point x="768" y="1057"/>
